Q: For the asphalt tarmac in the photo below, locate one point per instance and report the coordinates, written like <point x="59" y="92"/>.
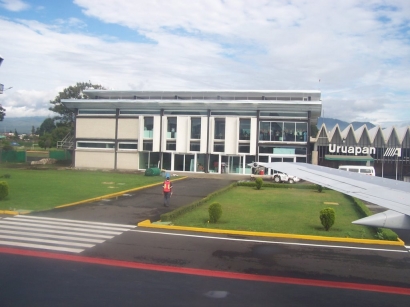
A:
<point x="145" y="204"/>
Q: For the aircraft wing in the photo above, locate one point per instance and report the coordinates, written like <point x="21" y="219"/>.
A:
<point x="391" y="194"/>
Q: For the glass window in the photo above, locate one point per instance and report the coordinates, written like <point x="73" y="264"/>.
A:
<point x="195" y="128"/>
<point x="127" y="145"/>
<point x="288" y="132"/>
<point x="244" y="128"/>
<point x="219" y="128"/>
<point x="147" y="145"/>
<point x="219" y="147"/>
<point x="148" y="127"/>
<point x="264" y="131"/>
<point x="138" y="112"/>
<point x="96" y="112"/>
<point x="171" y="145"/>
<point x="171" y="127"/>
<point x="244" y="148"/>
<point x="194" y="146"/>
<point x="277" y="131"/>
<point x="96" y="145"/>
<point x="301" y="132"/>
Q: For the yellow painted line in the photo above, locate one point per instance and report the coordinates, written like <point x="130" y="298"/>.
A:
<point x="330" y="203"/>
<point x="112" y="195"/>
<point x="9" y="212"/>
<point x="148" y="224"/>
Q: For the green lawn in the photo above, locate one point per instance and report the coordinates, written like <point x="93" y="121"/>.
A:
<point x="41" y="189"/>
<point x="294" y="211"/>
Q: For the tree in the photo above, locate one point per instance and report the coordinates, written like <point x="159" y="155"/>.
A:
<point x="327" y="218"/>
<point x="313" y="131"/>
<point x="2" y="112"/>
<point x="47" y="126"/>
<point x="45" y="141"/>
<point x="66" y="116"/>
<point x="59" y="134"/>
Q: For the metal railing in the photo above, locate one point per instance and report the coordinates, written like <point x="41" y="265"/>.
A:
<point x="67" y="142"/>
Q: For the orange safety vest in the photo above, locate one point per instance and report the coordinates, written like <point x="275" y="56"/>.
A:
<point x="167" y="186"/>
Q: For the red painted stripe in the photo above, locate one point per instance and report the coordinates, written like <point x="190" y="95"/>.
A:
<point x="208" y="273"/>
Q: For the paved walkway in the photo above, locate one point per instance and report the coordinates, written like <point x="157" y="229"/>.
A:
<point x="146" y="203"/>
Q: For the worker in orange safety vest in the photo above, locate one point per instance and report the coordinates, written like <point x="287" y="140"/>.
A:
<point x="167" y="191"/>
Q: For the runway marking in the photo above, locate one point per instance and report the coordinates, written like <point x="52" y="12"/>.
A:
<point x="65" y="222"/>
<point x="8" y="222"/>
<point x="209" y="273"/>
<point x="56" y="234"/>
<point x="44" y="235"/>
<point x="272" y="242"/>
<point x="73" y="221"/>
<point x="56" y="231"/>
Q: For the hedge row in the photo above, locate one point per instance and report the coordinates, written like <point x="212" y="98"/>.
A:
<point x="380" y="233"/>
<point x="181" y="210"/>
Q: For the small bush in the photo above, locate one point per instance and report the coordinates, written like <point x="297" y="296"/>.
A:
<point x="215" y="212"/>
<point x="259" y="183"/>
<point x="327" y="217"/>
<point x="4" y="189"/>
<point x="319" y="188"/>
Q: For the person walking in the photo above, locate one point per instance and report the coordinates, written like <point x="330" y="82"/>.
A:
<point x="167" y="191"/>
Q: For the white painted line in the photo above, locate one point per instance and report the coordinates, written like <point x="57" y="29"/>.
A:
<point x="43" y="235"/>
<point x="273" y="242"/>
<point x="8" y="222"/>
<point x="45" y="222"/>
<point x="40" y="246"/>
<point x="56" y="231"/>
<point x="74" y="221"/>
<point x="46" y="241"/>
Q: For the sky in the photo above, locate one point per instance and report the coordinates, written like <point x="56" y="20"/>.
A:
<point x="356" y="52"/>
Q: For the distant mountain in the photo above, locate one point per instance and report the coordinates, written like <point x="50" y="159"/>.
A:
<point x="21" y="124"/>
<point x="330" y="123"/>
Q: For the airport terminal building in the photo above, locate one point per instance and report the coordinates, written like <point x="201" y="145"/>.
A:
<point x="388" y="150"/>
<point x="192" y="131"/>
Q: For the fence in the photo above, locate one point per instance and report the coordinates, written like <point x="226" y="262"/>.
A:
<point x="13" y="156"/>
<point x="60" y="155"/>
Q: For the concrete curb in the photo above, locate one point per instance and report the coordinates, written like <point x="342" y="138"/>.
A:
<point x="148" y="224"/>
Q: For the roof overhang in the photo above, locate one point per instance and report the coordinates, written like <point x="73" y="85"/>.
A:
<point x="348" y="158"/>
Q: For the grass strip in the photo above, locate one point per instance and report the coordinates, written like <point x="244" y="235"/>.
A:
<point x="285" y="210"/>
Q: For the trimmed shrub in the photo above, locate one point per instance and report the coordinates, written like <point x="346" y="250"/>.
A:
<point x="4" y="189"/>
<point x="259" y="183"/>
<point x="169" y="216"/>
<point x="215" y="212"/>
<point x="319" y="188"/>
<point x="327" y="217"/>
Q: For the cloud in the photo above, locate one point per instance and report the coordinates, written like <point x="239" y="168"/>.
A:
<point x="14" y="5"/>
<point x="23" y="103"/>
<point x="358" y="49"/>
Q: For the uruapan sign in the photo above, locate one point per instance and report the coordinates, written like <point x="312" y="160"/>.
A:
<point x="357" y="150"/>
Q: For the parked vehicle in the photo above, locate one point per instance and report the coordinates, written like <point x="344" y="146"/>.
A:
<point x="367" y="170"/>
<point x="277" y="177"/>
<point x="283" y="177"/>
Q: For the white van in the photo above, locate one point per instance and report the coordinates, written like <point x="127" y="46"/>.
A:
<point x="367" y="170"/>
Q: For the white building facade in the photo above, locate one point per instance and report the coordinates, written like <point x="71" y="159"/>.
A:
<point x="192" y="131"/>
